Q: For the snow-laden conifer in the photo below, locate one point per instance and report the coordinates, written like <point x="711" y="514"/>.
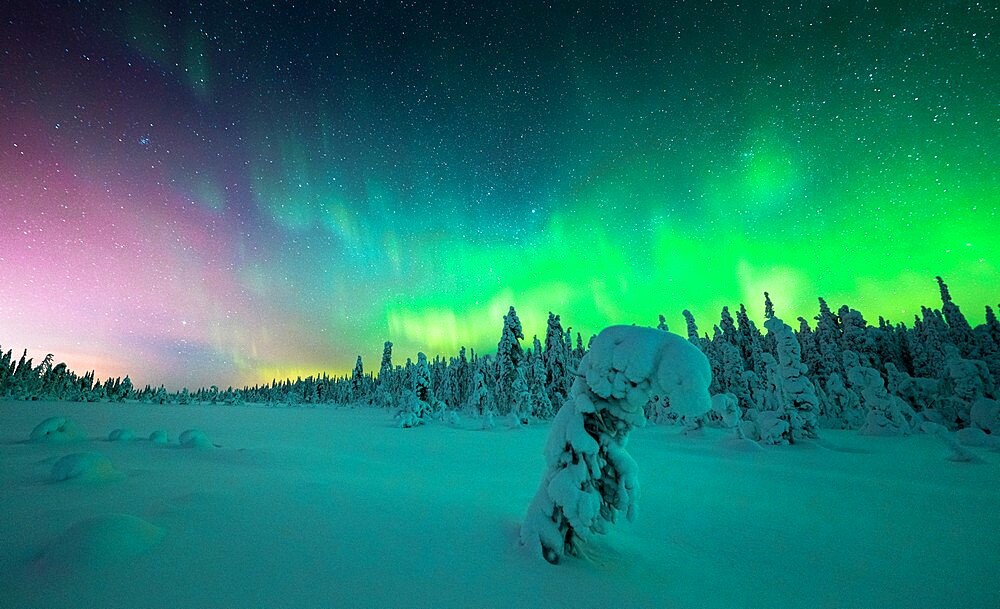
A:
<point x="509" y="356"/>
<point x="590" y="478"/>
<point x="796" y="390"/>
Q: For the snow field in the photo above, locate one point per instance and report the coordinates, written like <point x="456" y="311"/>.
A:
<point x="339" y="507"/>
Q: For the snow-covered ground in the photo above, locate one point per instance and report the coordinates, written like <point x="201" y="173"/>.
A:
<point x="340" y="508"/>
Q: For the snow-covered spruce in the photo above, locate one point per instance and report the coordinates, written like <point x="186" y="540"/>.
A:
<point x="590" y="478"/>
<point x="796" y="391"/>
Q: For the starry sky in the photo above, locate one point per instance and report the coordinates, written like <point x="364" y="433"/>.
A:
<point x="224" y="193"/>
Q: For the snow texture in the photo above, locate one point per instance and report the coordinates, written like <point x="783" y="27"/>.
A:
<point x="100" y="542"/>
<point x="336" y="507"/>
<point x="590" y="478"/>
<point x="84" y="467"/>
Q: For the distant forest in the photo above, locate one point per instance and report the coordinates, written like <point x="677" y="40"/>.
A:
<point x="839" y="372"/>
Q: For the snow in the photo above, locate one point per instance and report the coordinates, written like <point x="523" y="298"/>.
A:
<point x="83" y="466"/>
<point x="338" y="507"/>
<point x="94" y="545"/>
<point x="55" y="430"/>
<point x="121" y="435"/>
<point x="194" y="438"/>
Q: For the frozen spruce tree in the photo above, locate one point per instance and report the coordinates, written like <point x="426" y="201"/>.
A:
<point x="358" y="382"/>
<point x="796" y="391"/>
<point x="556" y="361"/>
<point x="383" y="392"/>
<point x="590" y="478"/>
<point x="509" y="356"/>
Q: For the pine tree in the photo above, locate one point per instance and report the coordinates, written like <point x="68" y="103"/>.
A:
<point x="125" y="392"/>
<point x="959" y="330"/>
<point x="663" y="324"/>
<point x="462" y="372"/>
<point x="692" y="329"/>
<point x="728" y="327"/>
<point x="556" y="361"/>
<point x="422" y="386"/>
<point x="357" y="384"/>
<point x="480" y="400"/>
<point x="521" y="409"/>
<point x="509" y="356"/>
<point x="828" y="343"/>
<point x="926" y="342"/>
<point x="855" y="336"/>
<point x="590" y="478"/>
<point x="541" y="406"/>
<point x="796" y="389"/>
<point x="384" y="391"/>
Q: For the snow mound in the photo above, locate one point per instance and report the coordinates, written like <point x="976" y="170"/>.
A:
<point x="56" y="430"/>
<point x="958" y="452"/>
<point x="193" y="438"/>
<point x="121" y="435"/>
<point x="985" y="415"/>
<point x="159" y="437"/>
<point x="101" y="542"/>
<point x="91" y="467"/>
<point x="972" y="436"/>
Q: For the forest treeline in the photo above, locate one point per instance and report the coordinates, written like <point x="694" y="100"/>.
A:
<point x="835" y="371"/>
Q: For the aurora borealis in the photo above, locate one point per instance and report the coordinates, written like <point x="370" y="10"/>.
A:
<point x="223" y="193"/>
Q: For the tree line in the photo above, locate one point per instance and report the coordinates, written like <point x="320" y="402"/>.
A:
<point x="835" y="371"/>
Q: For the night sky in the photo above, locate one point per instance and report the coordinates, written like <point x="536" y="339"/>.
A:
<point x="223" y="193"/>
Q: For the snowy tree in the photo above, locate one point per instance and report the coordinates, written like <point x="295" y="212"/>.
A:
<point x="797" y="392"/>
<point x="556" y="361"/>
<point x="413" y="410"/>
<point x="384" y="390"/>
<point x="357" y="382"/>
<point x="521" y="408"/>
<point x="959" y="330"/>
<point x="828" y="343"/>
<point x="541" y="407"/>
<point x="727" y="367"/>
<point x="728" y="327"/>
<point x="422" y="381"/>
<point x="854" y="335"/>
<point x="768" y="308"/>
<point x="888" y="415"/>
<point x="748" y="340"/>
<point x="125" y="391"/>
<point x="590" y="478"/>
<point x="988" y="342"/>
<point x="509" y="356"/>
<point x="479" y="397"/>
<point x="963" y="382"/>
<point x="462" y="377"/>
<point x="663" y="324"/>
<point x="692" y="329"/>
<point x="927" y="343"/>
<point x="919" y="393"/>
<point x="385" y="367"/>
